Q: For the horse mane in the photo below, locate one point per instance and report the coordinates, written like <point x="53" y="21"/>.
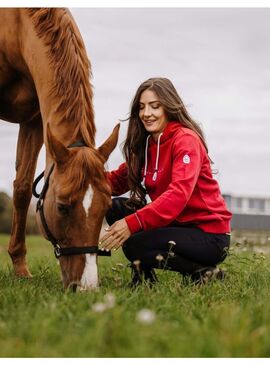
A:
<point x="72" y="68"/>
<point x="85" y="167"/>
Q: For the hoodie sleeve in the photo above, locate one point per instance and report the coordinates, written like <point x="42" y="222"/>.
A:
<point x="118" y="180"/>
<point x="188" y="153"/>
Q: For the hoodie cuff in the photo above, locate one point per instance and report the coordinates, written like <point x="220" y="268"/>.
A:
<point x="134" y="223"/>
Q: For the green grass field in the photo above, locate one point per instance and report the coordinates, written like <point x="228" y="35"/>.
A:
<point x="222" y="319"/>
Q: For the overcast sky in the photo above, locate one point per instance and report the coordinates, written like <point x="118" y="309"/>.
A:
<point x="219" y="61"/>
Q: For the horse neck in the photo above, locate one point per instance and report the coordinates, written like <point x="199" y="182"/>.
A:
<point x="60" y="70"/>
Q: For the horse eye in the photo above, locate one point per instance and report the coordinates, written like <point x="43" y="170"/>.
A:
<point x="63" y="209"/>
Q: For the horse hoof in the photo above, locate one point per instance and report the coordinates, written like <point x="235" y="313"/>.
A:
<point x="23" y="273"/>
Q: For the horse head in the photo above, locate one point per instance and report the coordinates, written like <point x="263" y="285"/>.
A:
<point x="77" y="198"/>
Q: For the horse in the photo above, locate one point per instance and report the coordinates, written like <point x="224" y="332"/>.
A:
<point x="45" y="87"/>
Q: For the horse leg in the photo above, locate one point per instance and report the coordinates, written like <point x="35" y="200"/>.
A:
<point x="29" y="144"/>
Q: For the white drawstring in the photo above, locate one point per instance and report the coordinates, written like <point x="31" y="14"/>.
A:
<point x="146" y="160"/>
<point x="156" y="167"/>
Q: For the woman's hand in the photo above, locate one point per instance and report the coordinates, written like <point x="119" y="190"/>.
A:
<point x="117" y="234"/>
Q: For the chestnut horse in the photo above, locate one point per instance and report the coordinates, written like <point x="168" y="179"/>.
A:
<point x="44" y="86"/>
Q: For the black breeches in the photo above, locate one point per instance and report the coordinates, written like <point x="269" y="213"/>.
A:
<point x="178" y="248"/>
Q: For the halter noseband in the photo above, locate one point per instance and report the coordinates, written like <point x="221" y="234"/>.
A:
<point x="59" y="251"/>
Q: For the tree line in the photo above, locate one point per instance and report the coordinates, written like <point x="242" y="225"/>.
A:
<point x="6" y="211"/>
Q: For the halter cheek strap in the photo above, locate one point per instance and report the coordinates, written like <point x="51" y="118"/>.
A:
<point x="60" y="251"/>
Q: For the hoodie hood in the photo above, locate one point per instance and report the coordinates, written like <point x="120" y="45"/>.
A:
<point x="167" y="133"/>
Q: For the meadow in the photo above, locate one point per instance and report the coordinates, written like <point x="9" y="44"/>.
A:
<point x="173" y="319"/>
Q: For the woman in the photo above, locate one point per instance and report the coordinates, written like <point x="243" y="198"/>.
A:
<point x="186" y="226"/>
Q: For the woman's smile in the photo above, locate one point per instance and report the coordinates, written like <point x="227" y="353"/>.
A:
<point x="152" y="113"/>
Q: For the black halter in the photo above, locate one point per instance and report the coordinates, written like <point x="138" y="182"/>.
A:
<point x="60" y="251"/>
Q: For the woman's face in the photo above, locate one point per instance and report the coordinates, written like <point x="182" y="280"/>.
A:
<point x="152" y="113"/>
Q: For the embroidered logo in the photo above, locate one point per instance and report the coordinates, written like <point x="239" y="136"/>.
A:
<point x="186" y="159"/>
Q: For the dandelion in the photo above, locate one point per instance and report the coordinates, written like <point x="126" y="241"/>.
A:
<point x="110" y="300"/>
<point x="159" y="257"/>
<point x="99" y="307"/>
<point x="146" y="316"/>
<point x="136" y="263"/>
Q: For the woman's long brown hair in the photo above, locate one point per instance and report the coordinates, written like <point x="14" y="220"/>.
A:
<point x="134" y="145"/>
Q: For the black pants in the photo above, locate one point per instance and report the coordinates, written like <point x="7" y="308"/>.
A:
<point x="193" y="250"/>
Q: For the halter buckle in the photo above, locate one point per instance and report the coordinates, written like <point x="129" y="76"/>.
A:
<point x="57" y="251"/>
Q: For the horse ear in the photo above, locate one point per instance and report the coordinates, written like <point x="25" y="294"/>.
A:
<point x="109" y="145"/>
<point x="57" y="150"/>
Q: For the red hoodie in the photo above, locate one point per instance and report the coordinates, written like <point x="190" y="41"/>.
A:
<point x="181" y="190"/>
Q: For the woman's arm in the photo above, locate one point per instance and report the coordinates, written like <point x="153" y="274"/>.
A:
<point x="119" y="180"/>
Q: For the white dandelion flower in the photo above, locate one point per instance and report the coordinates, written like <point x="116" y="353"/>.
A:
<point x="99" y="307"/>
<point x="146" y="316"/>
<point x="110" y="300"/>
<point x="136" y="263"/>
<point x="159" y="257"/>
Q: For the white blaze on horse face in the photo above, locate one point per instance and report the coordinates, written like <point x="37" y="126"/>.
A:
<point x="87" y="200"/>
<point x="89" y="278"/>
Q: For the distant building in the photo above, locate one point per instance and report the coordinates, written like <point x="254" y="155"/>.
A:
<point x="249" y="213"/>
<point x="248" y="205"/>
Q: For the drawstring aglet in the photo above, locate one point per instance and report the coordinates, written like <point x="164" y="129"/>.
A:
<point x="154" y="176"/>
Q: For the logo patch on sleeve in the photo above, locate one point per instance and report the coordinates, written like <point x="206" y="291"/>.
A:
<point x="186" y="159"/>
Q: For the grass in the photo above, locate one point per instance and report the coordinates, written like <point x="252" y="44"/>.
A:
<point x="222" y="319"/>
